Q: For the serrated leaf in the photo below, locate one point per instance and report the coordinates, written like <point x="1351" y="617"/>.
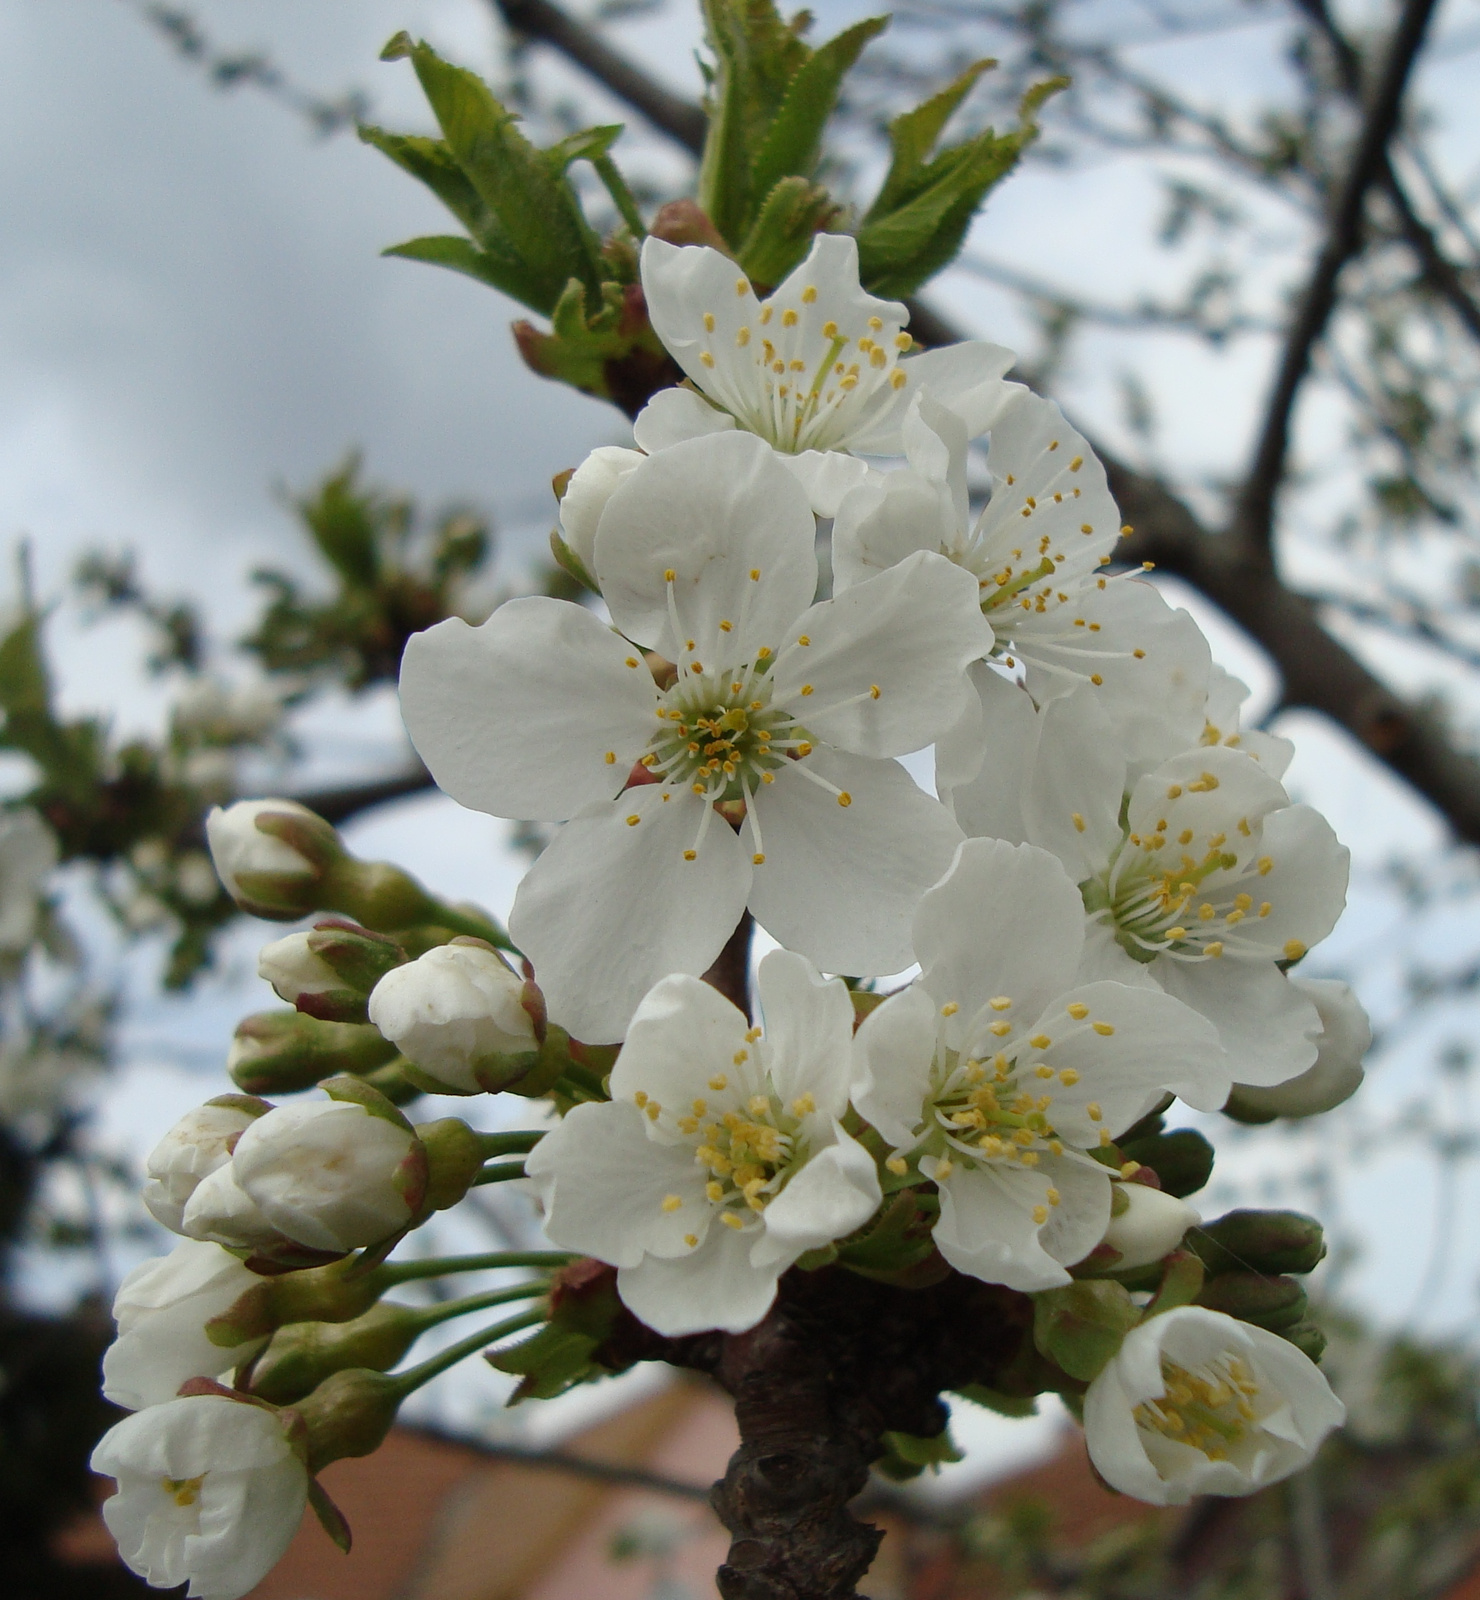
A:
<point x="431" y="162"/>
<point x="794" y="140"/>
<point x="912" y="136"/>
<point x="590" y="144"/>
<point x="450" y="250"/>
<point x="793" y="212"/>
<point x="536" y="208"/>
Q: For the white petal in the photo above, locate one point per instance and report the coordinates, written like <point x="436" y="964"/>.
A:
<point x="885" y="670"/>
<point x="713" y="511"/>
<point x="715" y="1286"/>
<point x="603" y="1183"/>
<point x="841" y="883"/>
<point x="1241" y="791"/>
<point x="586" y="495"/>
<point x="683" y="283"/>
<point x="886" y="518"/>
<point x="534" y="715"/>
<point x="827" y="476"/>
<point x="893" y="1052"/>
<point x="610" y="908"/>
<point x="935" y="440"/>
<point x="809" y="1031"/>
<point x="986" y="1227"/>
<point x="1114" y="1441"/>
<point x="1005" y="923"/>
<point x="683" y="1034"/>
<point x="965" y="377"/>
<point x="1306" y="886"/>
<point x="1078" y="1222"/>
<point x="1073" y="796"/>
<point x="836" y="1192"/>
<point x="1268" y="1028"/>
<point x="984" y="758"/>
<point x="675" y="415"/>
<point x="1155" y="1044"/>
<point x="1104" y="957"/>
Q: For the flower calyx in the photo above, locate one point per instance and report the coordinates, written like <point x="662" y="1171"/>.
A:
<point x="279" y="1052"/>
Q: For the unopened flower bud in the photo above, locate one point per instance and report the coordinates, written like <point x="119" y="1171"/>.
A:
<point x="1346" y="1036"/>
<point x="589" y="488"/>
<point x="1148" y="1227"/>
<point x="332" y="1175"/>
<point x="1259" y="1241"/>
<point x="271" y="855"/>
<point x="317" y="1294"/>
<point x="277" y="1052"/>
<point x="349" y="1414"/>
<point x="329" y="971"/>
<point x="162" y="1308"/>
<point x="198" y="1144"/>
<point x="457" y="1014"/>
<point x="1268" y="1302"/>
<point x="222" y="1211"/>
<point x="303" y="1354"/>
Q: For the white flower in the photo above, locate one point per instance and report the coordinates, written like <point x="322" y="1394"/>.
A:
<point x="28" y="853"/>
<point x="1197" y="1403"/>
<point x="816" y="370"/>
<point x="790" y="710"/>
<point x="1037" y="553"/>
<point x="1149" y="1227"/>
<point x="210" y="1492"/>
<point x="221" y="1211"/>
<point x="996" y="1072"/>
<point x="1345" y="1037"/>
<point x="161" y="1309"/>
<point x="720" y="1158"/>
<point x="238" y="846"/>
<point x="294" y="969"/>
<point x="591" y="485"/>
<point x="199" y="1143"/>
<point x="223" y="713"/>
<point x="1198" y="875"/>
<point x="327" y="1173"/>
<point x="451" y="1008"/>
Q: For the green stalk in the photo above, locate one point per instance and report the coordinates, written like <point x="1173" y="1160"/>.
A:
<point x="394" y="1272"/>
<point x="408" y="1382"/>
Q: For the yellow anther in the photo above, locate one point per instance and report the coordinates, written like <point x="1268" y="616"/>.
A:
<point x="1205" y="912"/>
<point x="691" y="855"/>
<point x="1001" y="1029"/>
<point x="1265" y="907"/>
<point x="1130" y="1169"/>
<point x="1000" y="1002"/>
<point x="1040" y="1215"/>
<point x="1266" y="866"/>
<point x="874" y="691"/>
<point x="943" y="1170"/>
<point x="653" y="1110"/>
<point x="803" y="1106"/>
<point x="640" y="1099"/>
<point x="897" y="1165"/>
<point x="631" y="661"/>
<point x="742" y="338"/>
<point x="759" y="1105"/>
<point x="804" y="639"/>
<point x="633" y="820"/>
<point x="742" y="286"/>
<point x="1040" y="1041"/>
<point x="709" y="322"/>
<point x="949" y="1009"/>
<point x="740" y="1057"/>
<point x="1104" y="1029"/>
<point x="1096" y="679"/>
<point x="1077" y="820"/>
<point x="788" y="318"/>
<point x="1214" y="948"/>
<point x="1077" y="1009"/>
<point x="1042" y="1071"/>
<point x="767" y="312"/>
<point x="1076" y="463"/>
<point x="1174" y="792"/>
<point x="806" y="689"/>
<point x="691" y="1240"/>
<point x="1293" y="949"/>
<point x="671" y="1202"/>
<point x="1176" y="933"/>
<point x="706" y="358"/>
<point x="845" y="799"/>
<point x="752" y="1034"/>
<point x="829" y="330"/>
<point x="718" y="1082"/>
<point x="1104" y="1137"/>
<point x="1068" y="1077"/>
<point x="1093" y="1112"/>
<point x="758" y="859"/>
<point x="730" y="1220"/>
<point x="714" y="1190"/>
<point x="1185" y="837"/>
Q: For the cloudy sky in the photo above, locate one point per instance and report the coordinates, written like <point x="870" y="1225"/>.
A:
<point x="193" y="312"/>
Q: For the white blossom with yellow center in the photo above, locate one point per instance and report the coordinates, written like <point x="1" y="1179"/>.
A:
<point x="1197" y="875"/>
<point x="996" y="1074"/>
<point x="819" y="369"/>
<point x="1039" y="553"/>
<point x="1197" y="1403"/>
<point x="720" y="1158"/>
<point x="786" y="714"/>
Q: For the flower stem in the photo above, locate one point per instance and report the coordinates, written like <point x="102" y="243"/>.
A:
<point x="500" y="1172"/>
<point x="434" y="1315"/>
<point x="394" y="1272"/>
<point x="512" y="1143"/>
<point x="413" y="1378"/>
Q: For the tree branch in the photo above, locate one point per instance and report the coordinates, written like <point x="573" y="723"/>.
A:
<point x="1318" y="671"/>
<point x="1254" y="517"/>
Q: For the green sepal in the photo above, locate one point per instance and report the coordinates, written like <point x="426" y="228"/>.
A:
<point x="331" y="1519"/>
<point x="1309" y="1339"/>
<point x="249" y="1103"/>
<point x="1005" y="1405"/>
<point x="898" y="1246"/>
<point x="568" y="561"/>
<point x="1182" y="1279"/>
<point x="355" y="1091"/>
<point x="793" y="142"/>
<point x="793" y="211"/>
<point x="1080" y="1327"/>
<point x="302" y="1354"/>
<point x="454" y="1159"/>
<point x="907" y="1455"/>
<point x="611" y="353"/>
<point x="548" y="1363"/>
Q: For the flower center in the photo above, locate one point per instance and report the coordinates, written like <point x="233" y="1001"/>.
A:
<point x="183" y="1491"/>
<point x="798" y="379"/>
<point x="719" y="733"/>
<point x="1208" y="1407"/>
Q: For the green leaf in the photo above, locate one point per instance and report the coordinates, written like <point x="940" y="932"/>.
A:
<point x="794" y="140"/>
<point x="907" y="1455"/>
<point x="451" y="250"/>
<point x="1006" y="1405"/>
<point x="793" y="212"/>
<point x="535" y="206"/>
<point x="553" y="1360"/>
<point x="913" y="135"/>
<point x="1080" y="1327"/>
<point x="432" y="163"/>
<point x="590" y="144"/>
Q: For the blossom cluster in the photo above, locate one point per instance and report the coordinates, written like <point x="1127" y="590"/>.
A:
<point x="1102" y="907"/>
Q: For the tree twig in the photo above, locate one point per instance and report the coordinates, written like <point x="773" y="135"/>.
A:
<point x="1253" y="522"/>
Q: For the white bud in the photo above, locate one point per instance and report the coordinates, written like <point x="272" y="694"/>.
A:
<point x="195" y="1147"/>
<point x="327" y="1173"/>
<point x="161" y="1309"/>
<point x="237" y="845"/>
<point x="591" y="486"/>
<point x="451" y="1007"/>
<point x="222" y="1211"/>
<point x="1150" y="1227"/>
<point x="1198" y="1403"/>
<point x="210" y="1492"/>
<point x="1346" y="1036"/>
<point x="293" y="969"/>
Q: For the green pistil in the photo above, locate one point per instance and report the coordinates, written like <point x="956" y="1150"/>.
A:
<point x="1015" y="586"/>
